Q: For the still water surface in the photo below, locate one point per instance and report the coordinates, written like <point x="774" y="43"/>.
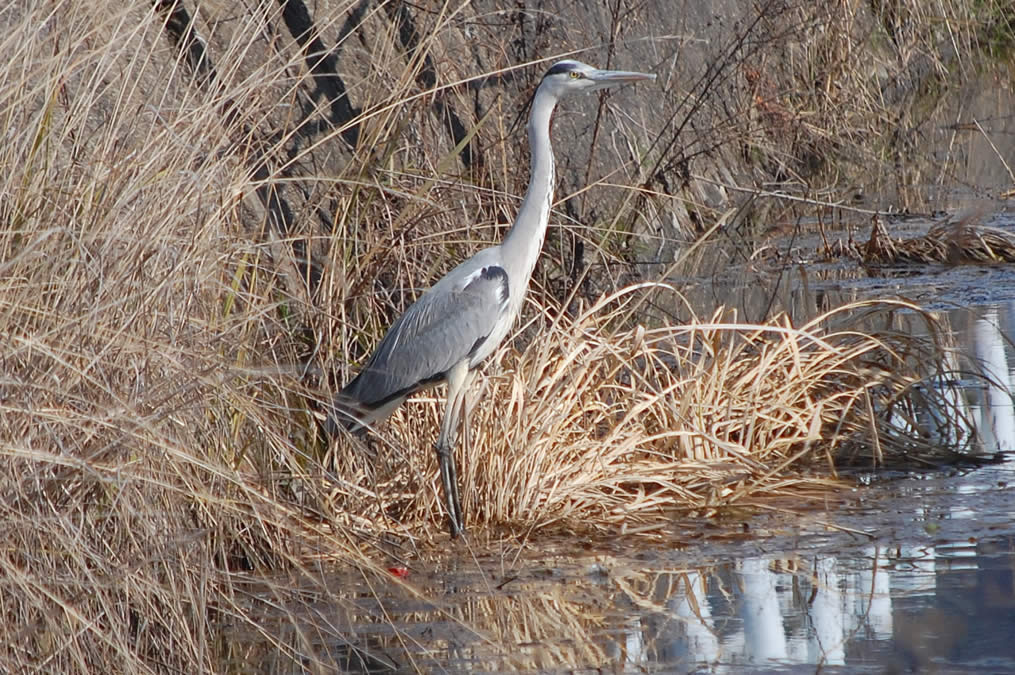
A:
<point x="917" y="576"/>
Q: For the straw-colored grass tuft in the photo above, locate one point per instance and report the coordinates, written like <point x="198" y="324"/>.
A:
<point x="949" y="242"/>
<point x="601" y="429"/>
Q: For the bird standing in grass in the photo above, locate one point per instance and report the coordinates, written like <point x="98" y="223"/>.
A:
<point x="448" y="332"/>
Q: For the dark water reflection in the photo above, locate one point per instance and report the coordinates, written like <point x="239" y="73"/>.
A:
<point x="904" y="602"/>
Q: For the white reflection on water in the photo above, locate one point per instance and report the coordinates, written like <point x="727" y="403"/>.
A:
<point x="830" y="610"/>
<point x="997" y="424"/>
<point x="763" y="636"/>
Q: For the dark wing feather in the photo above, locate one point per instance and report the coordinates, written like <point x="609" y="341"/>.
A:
<point x="444" y="326"/>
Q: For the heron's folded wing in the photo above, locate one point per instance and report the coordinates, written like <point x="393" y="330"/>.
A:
<point x="445" y="325"/>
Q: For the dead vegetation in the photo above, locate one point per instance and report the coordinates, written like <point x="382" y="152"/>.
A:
<point x="602" y="430"/>
<point x="194" y="243"/>
<point x="947" y="243"/>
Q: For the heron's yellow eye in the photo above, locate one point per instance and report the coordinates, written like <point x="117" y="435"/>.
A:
<point x="575" y="74"/>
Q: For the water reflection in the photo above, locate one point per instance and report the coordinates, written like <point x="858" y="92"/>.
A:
<point x="761" y="637"/>
<point x="997" y="415"/>
<point x="941" y="603"/>
<point x="690" y="637"/>
<point x="880" y="606"/>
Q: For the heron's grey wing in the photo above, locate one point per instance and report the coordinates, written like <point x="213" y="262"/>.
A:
<point x="445" y="325"/>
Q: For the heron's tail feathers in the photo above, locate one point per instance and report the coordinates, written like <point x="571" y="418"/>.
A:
<point x="349" y="414"/>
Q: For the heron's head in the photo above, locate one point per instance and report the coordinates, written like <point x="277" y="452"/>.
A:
<point x="573" y="77"/>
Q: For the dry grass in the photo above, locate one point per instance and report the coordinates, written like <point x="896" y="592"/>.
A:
<point x="953" y="243"/>
<point x="609" y="430"/>
<point x="146" y="411"/>
<point x="161" y="315"/>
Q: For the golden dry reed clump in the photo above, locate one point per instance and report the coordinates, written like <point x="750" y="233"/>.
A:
<point x="617" y="430"/>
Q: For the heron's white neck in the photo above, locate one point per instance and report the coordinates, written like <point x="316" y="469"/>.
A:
<point x="525" y="239"/>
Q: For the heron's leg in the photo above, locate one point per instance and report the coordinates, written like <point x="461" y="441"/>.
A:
<point x="463" y="414"/>
<point x="458" y="377"/>
<point x="468" y="402"/>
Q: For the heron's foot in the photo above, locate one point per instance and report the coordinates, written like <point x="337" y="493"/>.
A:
<point x="449" y="483"/>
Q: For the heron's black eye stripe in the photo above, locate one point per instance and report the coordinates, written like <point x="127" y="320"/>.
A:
<point x="558" y="68"/>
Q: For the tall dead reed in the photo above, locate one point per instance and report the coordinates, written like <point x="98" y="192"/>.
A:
<point x="147" y="350"/>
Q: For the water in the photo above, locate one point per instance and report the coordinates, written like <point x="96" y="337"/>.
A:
<point x="923" y="593"/>
<point x="916" y="576"/>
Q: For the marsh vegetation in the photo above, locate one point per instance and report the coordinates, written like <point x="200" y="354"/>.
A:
<point x="210" y="212"/>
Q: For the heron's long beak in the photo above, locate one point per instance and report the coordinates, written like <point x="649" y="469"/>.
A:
<point x="610" y="78"/>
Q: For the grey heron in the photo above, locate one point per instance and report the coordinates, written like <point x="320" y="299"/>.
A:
<point x="445" y="334"/>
